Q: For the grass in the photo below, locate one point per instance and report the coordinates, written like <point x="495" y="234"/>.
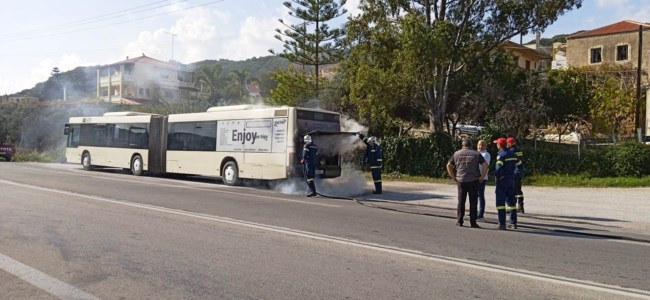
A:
<point x="584" y="181"/>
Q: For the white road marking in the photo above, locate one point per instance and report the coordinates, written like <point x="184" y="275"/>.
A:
<point x="466" y="263"/>
<point x="41" y="280"/>
<point x="219" y="188"/>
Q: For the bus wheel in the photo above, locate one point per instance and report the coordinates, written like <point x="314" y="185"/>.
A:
<point x="85" y="161"/>
<point x="136" y="165"/>
<point x="230" y="173"/>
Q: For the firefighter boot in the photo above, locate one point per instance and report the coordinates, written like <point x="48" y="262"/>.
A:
<point x="520" y="204"/>
<point x="377" y="188"/>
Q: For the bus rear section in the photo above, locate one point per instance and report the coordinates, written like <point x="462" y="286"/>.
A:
<point x="114" y="140"/>
<point x="325" y="127"/>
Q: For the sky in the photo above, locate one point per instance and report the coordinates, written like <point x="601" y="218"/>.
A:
<point x="38" y="35"/>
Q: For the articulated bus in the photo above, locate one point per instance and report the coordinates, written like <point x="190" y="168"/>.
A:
<point x="232" y="142"/>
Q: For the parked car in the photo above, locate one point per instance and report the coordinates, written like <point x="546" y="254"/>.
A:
<point x="7" y="151"/>
<point x="468" y="129"/>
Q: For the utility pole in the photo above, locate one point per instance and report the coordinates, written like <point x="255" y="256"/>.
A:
<point x="637" y="111"/>
<point x="173" y="36"/>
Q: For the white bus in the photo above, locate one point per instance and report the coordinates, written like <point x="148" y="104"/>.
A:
<point x="233" y="142"/>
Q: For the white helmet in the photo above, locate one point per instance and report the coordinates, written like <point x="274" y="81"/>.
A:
<point x="372" y="140"/>
<point x="307" y="138"/>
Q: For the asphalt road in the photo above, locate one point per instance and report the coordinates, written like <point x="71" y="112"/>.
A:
<point x="72" y="234"/>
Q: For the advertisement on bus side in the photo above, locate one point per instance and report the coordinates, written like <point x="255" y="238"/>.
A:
<point x="258" y="135"/>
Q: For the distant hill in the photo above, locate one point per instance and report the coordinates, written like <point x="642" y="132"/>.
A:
<point x="560" y="38"/>
<point x="81" y="82"/>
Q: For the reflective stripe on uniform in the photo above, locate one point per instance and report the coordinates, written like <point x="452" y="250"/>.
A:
<point x="377" y="181"/>
<point x="309" y="180"/>
<point x="499" y="162"/>
<point x="520" y="153"/>
<point x="511" y="158"/>
<point x="519" y="163"/>
<point x="501" y="207"/>
<point x="511" y="208"/>
<point x="372" y="150"/>
<point x="380" y="159"/>
<point x="375" y="167"/>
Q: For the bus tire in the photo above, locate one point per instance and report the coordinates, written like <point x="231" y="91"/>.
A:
<point x="86" y="161"/>
<point x="136" y="165"/>
<point x="230" y="173"/>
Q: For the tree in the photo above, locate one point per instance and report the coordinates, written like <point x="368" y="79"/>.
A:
<point x="294" y="88"/>
<point x="436" y="38"/>
<point x="614" y="98"/>
<point x="568" y="97"/>
<point x="317" y="48"/>
<point x="208" y="78"/>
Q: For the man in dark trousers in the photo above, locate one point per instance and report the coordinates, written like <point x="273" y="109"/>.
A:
<point x="463" y="167"/>
<point x="310" y="161"/>
<point x="375" y="158"/>
<point x="511" y="143"/>
<point x="506" y="164"/>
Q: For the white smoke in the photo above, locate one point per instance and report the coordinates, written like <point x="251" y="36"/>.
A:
<point x="351" y="182"/>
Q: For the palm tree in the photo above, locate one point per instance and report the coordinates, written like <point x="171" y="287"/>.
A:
<point x="208" y="78"/>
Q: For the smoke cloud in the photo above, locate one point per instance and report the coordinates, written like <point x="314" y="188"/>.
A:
<point x="351" y="182"/>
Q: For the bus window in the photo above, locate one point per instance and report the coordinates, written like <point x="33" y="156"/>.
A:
<point x="138" y="136"/>
<point x="73" y="135"/>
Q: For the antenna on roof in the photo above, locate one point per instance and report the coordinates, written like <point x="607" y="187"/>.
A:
<point x="173" y="36"/>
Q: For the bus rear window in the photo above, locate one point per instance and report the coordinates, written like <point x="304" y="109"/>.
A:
<point x="317" y="116"/>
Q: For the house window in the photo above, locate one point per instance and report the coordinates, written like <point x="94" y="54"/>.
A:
<point x="595" y="55"/>
<point x="141" y="92"/>
<point x="527" y="64"/>
<point x="621" y="52"/>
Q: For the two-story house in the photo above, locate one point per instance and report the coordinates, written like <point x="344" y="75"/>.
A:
<point x="145" y="80"/>
<point x="616" y="43"/>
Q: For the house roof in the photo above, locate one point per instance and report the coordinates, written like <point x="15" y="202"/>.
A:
<point x="512" y="46"/>
<point x="143" y="59"/>
<point x="619" y="27"/>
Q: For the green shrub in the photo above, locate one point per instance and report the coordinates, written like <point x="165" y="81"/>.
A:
<point x="418" y="156"/>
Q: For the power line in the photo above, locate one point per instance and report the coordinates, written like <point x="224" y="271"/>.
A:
<point x="87" y="20"/>
<point x="112" y="24"/>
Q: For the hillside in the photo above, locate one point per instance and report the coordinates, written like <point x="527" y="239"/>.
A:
<point x="81" y="82"/>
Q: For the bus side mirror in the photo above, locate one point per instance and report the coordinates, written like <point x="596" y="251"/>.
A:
<point x="67" y="129"/>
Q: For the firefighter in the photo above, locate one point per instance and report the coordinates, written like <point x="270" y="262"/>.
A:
<point x="309" y="161"/>
<point x="506" y="164"/>
<point x="375" y="158"/>
<point x="511" y="143"/>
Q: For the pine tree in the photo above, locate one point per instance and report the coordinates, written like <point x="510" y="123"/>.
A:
<point x="312" y="42"/>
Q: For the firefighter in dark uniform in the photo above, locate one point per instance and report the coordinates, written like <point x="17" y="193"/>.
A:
<point x="506" y="164"/>
<point x="375" y="158"/>
<point x="310" y="161"/>
<point x="511" y="143"/>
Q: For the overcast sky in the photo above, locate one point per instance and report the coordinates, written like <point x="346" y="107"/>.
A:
<point x="38" y="35"/>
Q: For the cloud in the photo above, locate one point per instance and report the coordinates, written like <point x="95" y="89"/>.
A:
<point x="353" y="8"/>
<point x="612" y="3"/>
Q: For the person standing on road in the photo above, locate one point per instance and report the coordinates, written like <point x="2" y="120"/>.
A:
<point x="375" y="158"/>
<point x="309" y="161"/>
<point x="482" y="148"/>
<point x="463" y="167"/>
<point x="506" y="163"/>
<point x="511" y="143"/>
